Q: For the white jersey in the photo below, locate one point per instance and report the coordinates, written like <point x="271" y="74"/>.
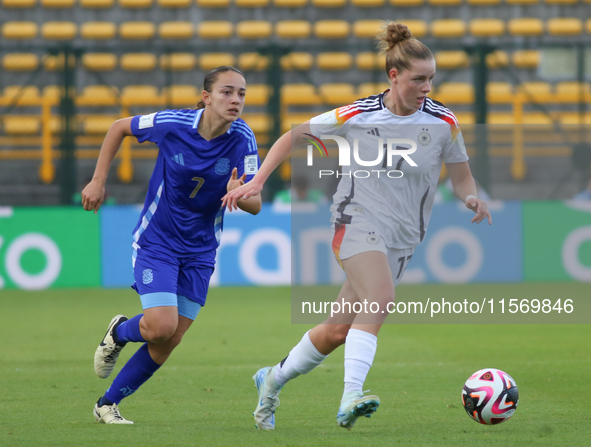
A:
<point x="399" y="207"/>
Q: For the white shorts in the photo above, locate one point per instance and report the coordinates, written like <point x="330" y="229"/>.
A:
<point x="361" y="236"/>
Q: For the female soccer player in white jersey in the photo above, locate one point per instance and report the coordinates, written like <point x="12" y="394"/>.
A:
<point x="377" y="221"/>
<point x="203" y="154"/>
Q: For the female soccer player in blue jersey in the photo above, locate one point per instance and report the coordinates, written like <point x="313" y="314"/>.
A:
<point x="203" y="154"/>
<point x="377" y="221"/>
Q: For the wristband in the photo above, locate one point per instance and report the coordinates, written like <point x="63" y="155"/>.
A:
<point x="471" y="196"/>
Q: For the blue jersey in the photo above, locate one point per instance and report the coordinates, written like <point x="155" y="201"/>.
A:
<point x="182" y="213"/>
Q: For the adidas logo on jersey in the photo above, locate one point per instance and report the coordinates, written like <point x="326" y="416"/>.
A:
<point x="374" y="131"/>
<point x="178" y="159"/>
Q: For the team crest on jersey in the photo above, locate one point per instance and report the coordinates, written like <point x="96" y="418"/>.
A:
<point x="373" y="238"/>
<point x="222" y="166"/>
<point x="424" y="138"/>
<point x="147" y="276"/>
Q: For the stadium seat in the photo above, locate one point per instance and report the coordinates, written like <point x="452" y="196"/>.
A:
<point x="258" y="94"/>
<point x="135" y="4"/>
<point x="181" y="95"/>
<point x="175" y="30"/>
<point x="538" y="91"/>
<point x="329" y="3"/>
<point x="53" y="93"/>
<point x="572" y="91"/>
<point x="452" y="60"/>
<point x="21" y="125"/>
<point x="137" y="30"/>
<point x="19" y="30"/>
<point x="99" y="61"/>
<point x="293" y="29"/>
<point x="455" y="93"/>
<point x="20" y="62"/>
<point x="253" y="62"/>
<point x="563" y="26"/>
<point x="406" y="3"/>
<point x="57" y="3"/>
<point x="367" y="28"/>
<point x="418" y="28"/>
<point x="527" y="59"/>
<point x="290" y="3"/>
<point x="499" y="92"/>
<point x="97" y="124"/>
<point x="27" y="94"/>
<point x="444" y="2"/>
<point x="56" y="62"/>
<point x="140" y="95"/>
<point x="215" y="29"/>
<point x="59" y="30"/>
<point x="526" y="27"/>
<point x="370" y="61"/>
<point x="537" y="120"/>
<point x="334" y="61"/>
<point x="178" y="61"/>
<point x="174" y="3"/>
<point x="487" y="27"/>
<point x="299" y="94"/>
<point x="370" y="89"/>
<point x="251" y="3"/>
<point x="208" y="61"/>
<point x="588" y="26"/>
<point x="521" y="2"/>
<point x="138" y="62"/>
<point x="497" y="59"/>
<point x="331" y="29"/>
<point x="297" y="61"/>
<point x="448" y="28"/>
<point x="465" y="118"/>
<point x="562" y="2"/>
<point x="570" y="119"/>
<point x="254" y="29"/>
<point x="97" y="4"/>
<point x="213" y="3"/>
<point x="98" y="95"/>
<point x="484" y="2"/>
<point x="337" y="94"/>
<point x="368" y="3"/>
<point x="499" y="118"/>
<point x="260" y="123"/>
<point x="98" y="30"/>
<point x="20" y="4"/>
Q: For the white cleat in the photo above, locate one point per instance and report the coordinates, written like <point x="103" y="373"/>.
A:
<point x="268" y="389"/>
<point x="355" y="405"/>
<point x="108" y="351"/>
<point x="109" y="414"/>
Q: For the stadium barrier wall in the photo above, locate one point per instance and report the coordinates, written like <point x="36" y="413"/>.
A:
<point x="529" y="241"/>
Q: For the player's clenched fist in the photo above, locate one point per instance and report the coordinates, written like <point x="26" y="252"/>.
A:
<point x="93" y="196"/>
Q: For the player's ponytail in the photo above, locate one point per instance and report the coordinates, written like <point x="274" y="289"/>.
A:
<point x="212" y="77"/>
<point x="395" y="40"/>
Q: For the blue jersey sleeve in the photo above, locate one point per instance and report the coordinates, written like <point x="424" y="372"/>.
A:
<point x="144" y="128"/>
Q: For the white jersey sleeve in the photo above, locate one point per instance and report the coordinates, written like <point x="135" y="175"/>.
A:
<point x="454" y="150"/>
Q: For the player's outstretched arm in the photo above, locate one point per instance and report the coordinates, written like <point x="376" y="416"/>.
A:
<point x="278" y="152"/>
<point x="465" y="188"/>
<point x="93" y="194"/>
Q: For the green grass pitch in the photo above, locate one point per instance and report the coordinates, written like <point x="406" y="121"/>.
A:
<point x="204" y="394"/>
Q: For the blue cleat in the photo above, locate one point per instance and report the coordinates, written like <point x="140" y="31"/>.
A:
<point x="354" y="405"/>
<point x="268" y="401"/>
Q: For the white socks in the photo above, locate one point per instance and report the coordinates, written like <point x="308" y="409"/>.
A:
<point x="360" y="350"/>
<point x="302" y="359"/>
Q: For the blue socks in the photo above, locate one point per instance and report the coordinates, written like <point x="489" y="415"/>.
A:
<point x="137" y="371"/>
<point x="129" y="330"/>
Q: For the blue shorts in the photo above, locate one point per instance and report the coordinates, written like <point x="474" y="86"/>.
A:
<point x="157" y="272"/>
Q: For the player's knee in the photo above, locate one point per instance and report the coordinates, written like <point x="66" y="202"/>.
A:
<point x="338" y="335"/>
<point x="161" y="332"/>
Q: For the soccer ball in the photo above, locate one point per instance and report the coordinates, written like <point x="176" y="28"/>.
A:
<point x="490" y="396"/>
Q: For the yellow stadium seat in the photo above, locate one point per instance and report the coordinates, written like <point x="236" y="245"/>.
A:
<point x="97" y="4"/>
<point x="178" y="61"/>
<point x="24" y="94"/>
<point x="367" y="28"/>
<point x="538" y="91"/>
<point x="99" y="61"/>
<point x="175" y="30"/>
<point x="448" y="28"/>
<point x="526" y="27"/>
<point x="98" y="95"/>
<point x="299" y="94"/>
<point x="368" y="3"/>
<point x="135" y="4"/>
<point x="499" y="118"/>
<point x="537" y="120"/>
<point x="297" y="61"/>
<point x="331" y="29"/>
<point x="572" y="91"/>
<point x="570" y="119"/>
<point x="487" y="27"/>
<point x="181" y="95"/>
<point x="455" y="93"/>
<point x="406" y="3"/>
<point x="137" y="30"/>
<point x="371" y="89"/>
<point x="56" y="62"/>
<point x="174" y="3"/>
<point x="258" y="122"/>
<point x="21" y="4"/>
<point x="20" y="62"/>
<point x="97" y="124"/>
<point x="563" y="26"/>
<point x="98" y="30"/>
<point x="444" y="2"/>
<point x="138" y="62"/>
<point x="418" y="28"/>
<point x="562" y="2"/>
<point x="19" y="30"/>
<point x="57" y="3"/>
<point x="258" y="94"/>
<point x="22" y="125"/>
<point x="251" y="3"/>
<point x="497" y="59"/>
<point x="209" y="61"/>
<point x="213" y="3"/>
<point x="293" y="29"/>
<point x="329" y="3"/>
<point x="337" y="94"/>
<point x="370" y="61"/>
<point x="334" y="61"/>
<point x="59" y="30"/>
<point x="465" y="118"/>
<point x="215" y="29"/>
<point x="528" y="59"/>
<point x="292" y="120"/>
<point x="484" y="2"/>
<point x="499" y="92"/>
<point x="521" y="2"/>
<point x="588" y="26"/>
<point x="140" y="95"/>
<point x="254" y="29"/>
<point x="253" y="62"/>
<point x="452" y="60"/>
<point x="290" y="3"/>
